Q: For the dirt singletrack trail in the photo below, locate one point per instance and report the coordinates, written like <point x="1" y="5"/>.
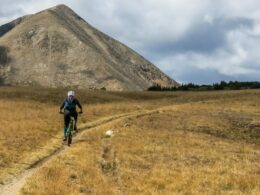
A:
<point x="15" y="185"/>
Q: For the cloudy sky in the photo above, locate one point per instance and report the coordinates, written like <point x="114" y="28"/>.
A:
<point x="199" y="41"/>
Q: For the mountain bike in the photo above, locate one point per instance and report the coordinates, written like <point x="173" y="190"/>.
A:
<point x="70" y="129"/>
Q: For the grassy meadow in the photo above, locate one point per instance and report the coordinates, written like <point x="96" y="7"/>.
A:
<point x="164" y="143"/>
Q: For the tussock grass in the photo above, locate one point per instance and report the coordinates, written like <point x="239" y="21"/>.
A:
<point x="26" y="128"/>
<point x="31" y="127"/>
<point x="197" y="142"/>
<point x="189" y="148"/>
<point x="145" y="158"/>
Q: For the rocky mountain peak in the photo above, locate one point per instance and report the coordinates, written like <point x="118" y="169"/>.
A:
<point x="57" y="48"/>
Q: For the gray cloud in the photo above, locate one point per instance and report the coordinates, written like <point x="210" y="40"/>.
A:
<point x="190" y="74"/>
<point x="200" y="41"/>
<point x="201" y="38"/>
<point x="205" y="38"/>
<point x="202" y="76"/>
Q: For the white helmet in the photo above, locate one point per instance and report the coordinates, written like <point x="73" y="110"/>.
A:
<point x="71" y="93"/>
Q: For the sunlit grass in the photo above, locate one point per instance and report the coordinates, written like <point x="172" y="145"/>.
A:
<point x="196" y="142"/>
<point x="31" y="127"/>
<point x="26" y="127"/>
<point x="167" y="152"/>
<point x="144" y="157"/>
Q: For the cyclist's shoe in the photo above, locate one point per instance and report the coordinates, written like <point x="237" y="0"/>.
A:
<point x="65" y="139"/>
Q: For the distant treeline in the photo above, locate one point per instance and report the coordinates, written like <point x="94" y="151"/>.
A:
<point x="231" y="85"/>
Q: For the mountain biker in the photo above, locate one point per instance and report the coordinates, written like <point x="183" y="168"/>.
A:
<point x="69" y="106"/>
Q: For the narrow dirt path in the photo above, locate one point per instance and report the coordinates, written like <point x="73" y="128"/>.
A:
<point x="14" y="186"/>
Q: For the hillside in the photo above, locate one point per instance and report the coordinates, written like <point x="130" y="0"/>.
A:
<point x="57" y="48"/>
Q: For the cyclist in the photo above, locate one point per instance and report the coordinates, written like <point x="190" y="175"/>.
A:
<point x="69" y="106"/>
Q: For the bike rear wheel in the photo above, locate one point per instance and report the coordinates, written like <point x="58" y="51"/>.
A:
<point x="69" y="138"/>
<point x="69" y="134"/>
<point x="70" y="130"/>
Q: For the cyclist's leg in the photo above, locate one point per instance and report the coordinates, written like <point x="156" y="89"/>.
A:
<point x="66" y="121"/>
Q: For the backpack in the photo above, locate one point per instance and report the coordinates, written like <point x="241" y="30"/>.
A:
<point x="70" y="105"/>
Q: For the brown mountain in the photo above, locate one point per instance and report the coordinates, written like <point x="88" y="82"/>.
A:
<point x="57" y="48"/>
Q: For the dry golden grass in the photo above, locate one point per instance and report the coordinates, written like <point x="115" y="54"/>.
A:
<point x="26" y="129"/>
<point x="31" y="130"/>
<point x="31" y="127"/>
<point x="206" y="147"/>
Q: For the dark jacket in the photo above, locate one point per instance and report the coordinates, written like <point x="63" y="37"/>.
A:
<point x="70" y="105"/>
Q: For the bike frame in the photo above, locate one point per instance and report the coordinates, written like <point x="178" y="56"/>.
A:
<point x="70" y="130"/>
